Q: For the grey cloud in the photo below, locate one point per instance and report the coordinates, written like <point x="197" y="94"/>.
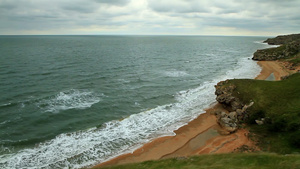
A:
<point x="162" y="15"/>
<point x="177" y="6"/>
<point x="81" y="7"/>
<point x="113" y="2"/>
<point x="228" y="11"/>
<point x="6" y="6"/>
<point x="240" y="14"/>
<point x="20" y="15"/>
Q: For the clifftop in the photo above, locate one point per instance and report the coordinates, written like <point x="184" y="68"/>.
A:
<point x="283" y="39"/>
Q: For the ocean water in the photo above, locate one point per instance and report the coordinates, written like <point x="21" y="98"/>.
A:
<point x="76" y="101"/>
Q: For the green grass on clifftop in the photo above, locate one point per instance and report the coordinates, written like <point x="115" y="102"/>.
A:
<point x="221" y="161"/>
<point x="279" y="103"/>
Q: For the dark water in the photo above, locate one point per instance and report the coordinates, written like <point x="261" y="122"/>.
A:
<point x="73" y="101"/>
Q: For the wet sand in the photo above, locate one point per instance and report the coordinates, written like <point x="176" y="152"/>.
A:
<point x="200" y="136"/>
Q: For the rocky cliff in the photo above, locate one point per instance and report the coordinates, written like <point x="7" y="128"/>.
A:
<point x="237" y="110"/>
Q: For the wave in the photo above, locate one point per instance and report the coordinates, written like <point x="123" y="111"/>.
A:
<point x="266" y="44"/>
<point x="6" y="104"/>
<point x="89" y="147"/>
<point x="70" y="99"/>
<point x="175" y="73"/>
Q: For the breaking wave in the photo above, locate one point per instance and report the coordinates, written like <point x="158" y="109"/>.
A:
<point x="71" y="99"/>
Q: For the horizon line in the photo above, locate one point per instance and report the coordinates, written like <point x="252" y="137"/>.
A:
<point x="133" y="35"/>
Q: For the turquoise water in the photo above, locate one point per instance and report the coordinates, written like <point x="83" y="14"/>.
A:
<point x="75" y="101"/>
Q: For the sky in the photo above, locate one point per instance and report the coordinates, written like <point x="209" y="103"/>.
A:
<point x="150" y="17"/>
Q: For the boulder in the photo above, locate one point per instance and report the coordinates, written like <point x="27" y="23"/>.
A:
<point x="233" y="115"/>
<point x="227" y="121"/>
<point x="259" y="122"/>
<point x="239" y="112"/>
<point x="247" y="106"/>
<point x="228" y="124"/>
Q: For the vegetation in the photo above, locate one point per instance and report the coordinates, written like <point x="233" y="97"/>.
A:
<point x="294" y="60"/>
<point x="283" y="39"/>
<point x="285" y="51"/>
<point x="220" y="161"/>
<point x="278" y="104"/>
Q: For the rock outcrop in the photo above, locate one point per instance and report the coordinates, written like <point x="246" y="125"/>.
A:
<point x="225" y="97"/>
<point x="231" y="121"/>
<point x="238" y="110"/>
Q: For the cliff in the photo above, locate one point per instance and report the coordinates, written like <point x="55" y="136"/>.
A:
<point x="236" y="108"/>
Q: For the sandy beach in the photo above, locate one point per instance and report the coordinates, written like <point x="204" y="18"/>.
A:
<point x="203" y="135"/>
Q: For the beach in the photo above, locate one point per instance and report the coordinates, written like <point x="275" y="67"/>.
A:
<point x="203" y="135"/>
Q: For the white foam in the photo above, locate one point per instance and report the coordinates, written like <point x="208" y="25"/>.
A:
<point x="71" y="99"/>
<point x="5" y="104"/>
<point x="4" y="122"/>
<point x="266" y="44"/>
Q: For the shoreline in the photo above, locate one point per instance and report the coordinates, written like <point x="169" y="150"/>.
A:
<point x="202" y="135"/>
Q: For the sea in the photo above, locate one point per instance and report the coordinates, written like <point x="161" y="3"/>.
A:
<point x="77" y="101"/>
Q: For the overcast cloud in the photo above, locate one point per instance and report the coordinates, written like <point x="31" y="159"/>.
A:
<point x="179" y="17"/>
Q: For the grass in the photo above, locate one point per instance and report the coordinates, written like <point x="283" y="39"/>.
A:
<point x="279" y="49"/>
<point x="279" y="103"/>
<point x="277" y="100"/>
<point x="220" y="161"/>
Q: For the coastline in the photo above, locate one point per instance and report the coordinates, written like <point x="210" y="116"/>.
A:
<point x="202" y="135"/>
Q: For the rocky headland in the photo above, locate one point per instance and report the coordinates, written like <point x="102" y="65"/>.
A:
<point x="283" y="39"/>
<point x="289" y="49"/>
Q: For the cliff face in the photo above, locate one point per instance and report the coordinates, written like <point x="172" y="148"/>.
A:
<point x="283" y="39"/>
<point x="224" y="92"/>
<point x="237" y="110"/>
